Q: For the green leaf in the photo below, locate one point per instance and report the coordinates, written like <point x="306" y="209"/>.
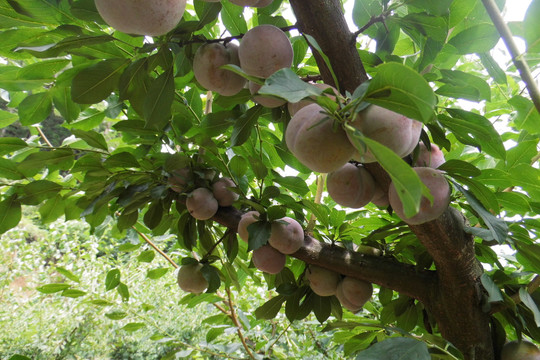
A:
<point x="35" y="108"/>
<point x="428" y="25"/>
<point x="233" y="18"/>
<point x="396" y="349"/>
<point x="73" y="293"/>
<point x="134" y="326"/>
<point x="459" y="84"/>
<point x="399" y="88"/>
<point x="481" y="192"/>
<point x="68" y="274"/>
<point x="493" y="290"/>
<point x="55" y="159"/>
<point x="52" y="209"/>
<point x="211" y="274"/>
<point x="493" y="69"/>
<point x="7" y="118"/>
<point x="95" y="83"/>
<point x="259" y="233"/>
<point x="52" y="288"/>
<point x="269" y="309"/>
<point x="10" y="144"/>
<point x="528" y="178"/>
<point x="459" y="167"/>
<point x="146" y="256"/>
<point x="244" y="125"/>
<point x="158" y="102"/>
<point x="206" y="12"/>
<point x="475" y="130"/>
<point x="62" y="101"/>
<point x="92" y="138"/>
<point x="528" y="301"/>
<point x="10" y="213"/>
<point x="285" y="84"/>
<point x="498" y="227"/>
<point x="531" y="30"/>
<point x="40" y="190"/>
<point x="122" y="159"/>
<point x="112" y="279"/>
<point x="116" y="315"/>
<point x="154" y="214"/>
<point x="528" y="256"/>
<point x="156" y="273"/>
<point x="295" y="184"/>
<point x="322" y="307"/>
<point x="8" y="170"/>
<point x="528" y="118"/>
<point x="476" y="39"/>
<point x="19" y="357"/>
<point x="123" y="291"/>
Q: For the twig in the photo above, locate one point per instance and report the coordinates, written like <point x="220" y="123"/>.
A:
<point x="517" y="58"/>
<point x="149" y="242"/>
<point x="234" y="318"/>
<point x="310" y="78"/>
<point x="372" y="20"/>
<point x="42" y="134"/>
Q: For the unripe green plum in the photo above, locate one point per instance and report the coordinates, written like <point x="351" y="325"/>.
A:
<point x="268" y="259"/>
<point x="223" y="195"/>
<point x="426" y="158"/>
<point x="191" y="279"/>
<point x="440" y="190"/>
<point x="389" y="128"/>
<point x="264" y="100"/>
<point x="353" y="293"/>
<point x="264" y="50"/>
<point x="179" y="179"/>
<point x="286" y="235"/>
<point x="247" y="219"/>
<point x="142" y="17"/>
<point x="312" y="139"/>
<point x="322" y="281"/>
<point x="206" y="68"/>
<point x="523" y="350"/>
<point x="351" y="186"/>
<point x="294" y="107"/>
<point x="201" y="204"/>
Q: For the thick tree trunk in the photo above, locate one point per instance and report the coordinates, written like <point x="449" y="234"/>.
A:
<point x="455" y="298"/>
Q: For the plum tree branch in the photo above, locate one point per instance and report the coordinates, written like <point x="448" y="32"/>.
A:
<point x="517" y="58"/>
<point x="383" y="271"/>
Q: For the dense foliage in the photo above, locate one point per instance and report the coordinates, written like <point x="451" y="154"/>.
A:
<point x="107" y="126"/>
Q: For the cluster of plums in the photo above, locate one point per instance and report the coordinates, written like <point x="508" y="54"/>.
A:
<point x="152" y="18"/>
<point x="203" y="203"/>
<point x="263" y="50"/>
<point x="286" y="237"/>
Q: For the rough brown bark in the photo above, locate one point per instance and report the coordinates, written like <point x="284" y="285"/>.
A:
<point x="456" y="301"/>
